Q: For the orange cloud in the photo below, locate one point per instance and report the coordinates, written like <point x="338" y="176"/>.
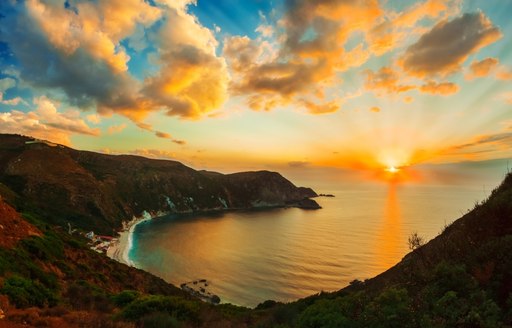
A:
<point x="82" y="45"/>
<point x="385" y="79"/>
<point x="375" y="109"/>
<point x="116" y="128"/>
<point x="46" y="122"/>
<point x="154" y="153"/>
<point x="444" y="88"/>
<point x="482" y="68"/>
<point x="504" y="74"/>
<point x="443" y="49"/>
<point x="393" y="28"/>
<point x="192" y="79"/>
<point x="69" y="30"/>
<point x="429" y="8"/>
<point x="408" y="99"/>
<point x="159" y="134"/>
<point x="323" y="108"/>
<point x="310" y="52"/>
<point x="93" y="118"/>
<point x="481" y="147"/>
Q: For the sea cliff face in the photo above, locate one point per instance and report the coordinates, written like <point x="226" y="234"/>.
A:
<point x="99" y="191"/>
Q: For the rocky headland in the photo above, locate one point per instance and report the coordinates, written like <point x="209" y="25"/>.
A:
<point x="98" y="191"/>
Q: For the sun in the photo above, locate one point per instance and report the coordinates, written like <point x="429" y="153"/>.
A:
<point x="392" y="169"/>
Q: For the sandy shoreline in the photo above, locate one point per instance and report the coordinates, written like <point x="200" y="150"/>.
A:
<point x="120" y="250"/>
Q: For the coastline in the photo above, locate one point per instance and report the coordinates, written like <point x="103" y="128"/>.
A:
<point x="120" y="250"/>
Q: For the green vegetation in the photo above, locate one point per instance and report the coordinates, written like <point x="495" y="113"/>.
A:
<point x="451" y="297"/>
<point x="125" y="297"/>
<point x="178" y="308"/>
<point x="24" y="293"/>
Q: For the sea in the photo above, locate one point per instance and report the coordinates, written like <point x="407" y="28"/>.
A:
<point x="285" y="254"/>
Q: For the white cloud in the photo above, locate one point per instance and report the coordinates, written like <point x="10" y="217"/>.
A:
<point x="46" y="122"/>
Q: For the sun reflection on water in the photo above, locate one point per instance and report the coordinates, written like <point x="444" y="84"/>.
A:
<point x="388" y="244"/>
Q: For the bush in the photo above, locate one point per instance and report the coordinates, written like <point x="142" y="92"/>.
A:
<point x="85" y="296"/>
<point x="390" y="309"/>
<point x="415" y="241"/>
<point x="323" y="313"/>
<point x="159" y="320"/>
<point x="25" y="293"/>
<point x="452" y="277"/>
<point x="125" y="297"/>
<point x="175" y="306"/>
<point x="266" y="305"/>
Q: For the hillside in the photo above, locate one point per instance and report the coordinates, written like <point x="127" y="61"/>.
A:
<point x="51" y="279"/>
<point x="98" y="191"/>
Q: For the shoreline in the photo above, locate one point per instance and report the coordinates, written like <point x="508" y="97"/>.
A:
<point x="120" y="251"/>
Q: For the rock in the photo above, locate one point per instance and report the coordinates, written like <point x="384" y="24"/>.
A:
<point x="215" y="299"/>
<point x="308" y="204"/>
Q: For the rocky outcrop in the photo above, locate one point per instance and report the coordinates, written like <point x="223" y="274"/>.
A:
<point x="98" y="191"/>
<point x="308" y="204"/>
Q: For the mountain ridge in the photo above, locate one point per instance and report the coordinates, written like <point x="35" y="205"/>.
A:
<point x="100" y="191"/>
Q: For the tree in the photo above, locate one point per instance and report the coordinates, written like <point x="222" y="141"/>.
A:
<point x="415" y="241"/>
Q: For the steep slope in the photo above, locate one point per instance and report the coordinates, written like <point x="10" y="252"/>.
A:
<point x="99" y="191"/>
<point x="12" y="227"/>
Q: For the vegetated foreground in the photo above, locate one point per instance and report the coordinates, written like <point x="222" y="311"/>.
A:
<point x="462" y="278"/>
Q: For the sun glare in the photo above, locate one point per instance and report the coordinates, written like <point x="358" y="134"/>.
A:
<point x="392" y="169"/>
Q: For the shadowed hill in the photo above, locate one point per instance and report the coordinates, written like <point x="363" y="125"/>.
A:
<point x="98" y="191"/>
<point x="459" y="242"/>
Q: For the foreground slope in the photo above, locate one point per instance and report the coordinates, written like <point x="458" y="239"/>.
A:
<point x="49" y="278"/>
<point x="98" y="191"/>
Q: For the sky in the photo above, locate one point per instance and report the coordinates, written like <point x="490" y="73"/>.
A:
<point x="244" y="85"/>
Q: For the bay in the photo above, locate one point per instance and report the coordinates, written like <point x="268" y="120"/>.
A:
<point x="286" y="254"/>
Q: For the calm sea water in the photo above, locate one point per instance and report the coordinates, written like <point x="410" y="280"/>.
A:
<point x="285" y="254"/>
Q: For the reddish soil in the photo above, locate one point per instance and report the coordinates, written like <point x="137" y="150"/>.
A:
<point x="12" y="227"/>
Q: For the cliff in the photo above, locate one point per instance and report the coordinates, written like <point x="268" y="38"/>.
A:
<point x="99" y="191"/>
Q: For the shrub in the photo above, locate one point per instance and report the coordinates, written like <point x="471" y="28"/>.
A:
<point x="323" y="313"/>
<point x="25" y="293"/>
<point x="415" y="241"/>
<point x="125" y="297"/>
<point x="175" y="306"/>
<point x="159" y="320"/>
<point x="390" y="309"/>
<point x="85" y="296"/>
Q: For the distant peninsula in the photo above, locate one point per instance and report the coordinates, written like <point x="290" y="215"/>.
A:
<point x="99" y="191"/>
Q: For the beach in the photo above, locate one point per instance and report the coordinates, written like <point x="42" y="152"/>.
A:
<point x="120" y="250"/>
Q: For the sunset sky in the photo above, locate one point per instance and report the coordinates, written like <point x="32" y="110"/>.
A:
<point x="228" y="85"/>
